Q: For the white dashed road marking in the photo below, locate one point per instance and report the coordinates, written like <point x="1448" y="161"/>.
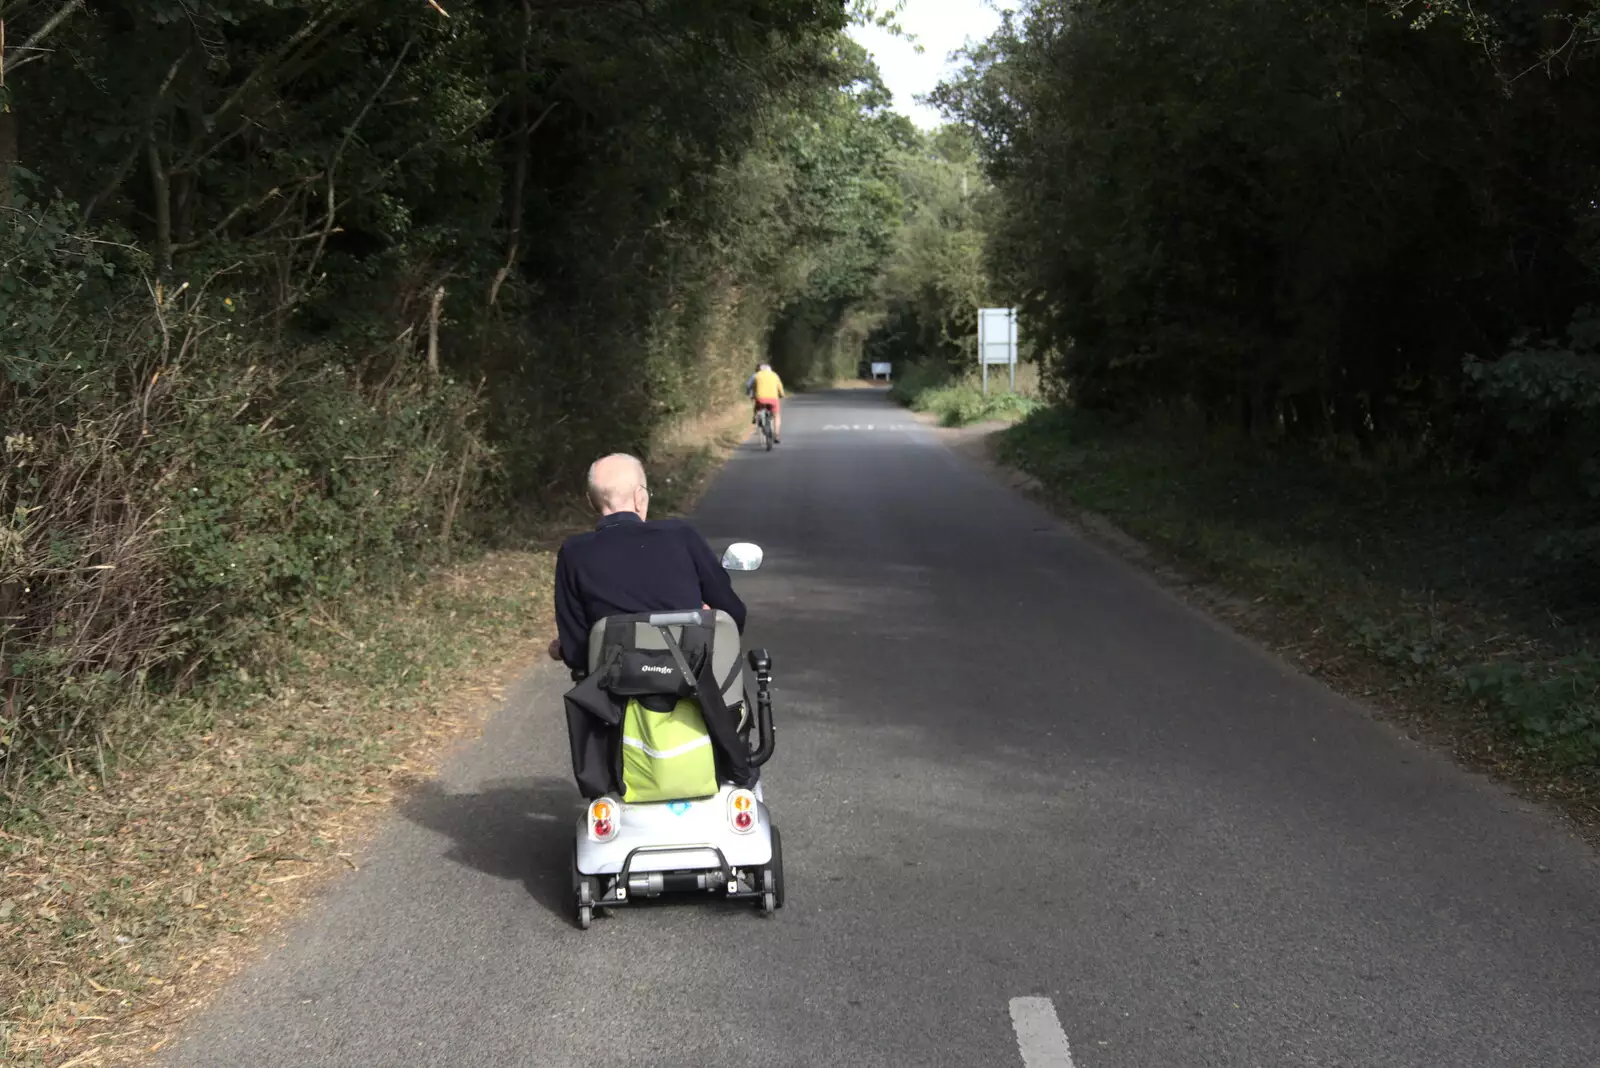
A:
<point x="1039" y="1035"/>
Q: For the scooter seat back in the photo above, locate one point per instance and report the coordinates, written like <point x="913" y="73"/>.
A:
<point x="727" y="666"/>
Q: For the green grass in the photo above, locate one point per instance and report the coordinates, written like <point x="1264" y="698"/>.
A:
<point x="1438" y="600"/>
<point x="961" y="402"/>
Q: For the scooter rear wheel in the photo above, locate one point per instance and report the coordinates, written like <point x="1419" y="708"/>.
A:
<point x="586" y="888"/>
<point x="775" y="866"/>
<point x="772" y="878"/>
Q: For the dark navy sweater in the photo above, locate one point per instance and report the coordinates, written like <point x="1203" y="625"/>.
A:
<point x="626" y="565"/>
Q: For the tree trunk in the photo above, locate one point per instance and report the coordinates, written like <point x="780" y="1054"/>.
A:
<point x="161" y="191"/>
<point x="8" y="152"/>
<point x="433" y="330"/>
<point x="8" y="127"/>
<point x="519" y="178"/>
<point x="447" y="528"/>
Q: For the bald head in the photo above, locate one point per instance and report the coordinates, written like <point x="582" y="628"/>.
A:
<point x="617" y="484"/>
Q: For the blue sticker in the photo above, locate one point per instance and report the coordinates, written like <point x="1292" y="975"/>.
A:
<point x="678" y="807"/>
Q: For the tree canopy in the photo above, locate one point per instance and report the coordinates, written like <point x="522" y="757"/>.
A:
<point x="1331" y="223"/>
<point x="301" y="294"/>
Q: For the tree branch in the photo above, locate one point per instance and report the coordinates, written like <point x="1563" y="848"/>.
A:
<point x="306" y="32"/>
<point x="249" y="205"/>
<point x="49" y="27"/>
<point x="333" y="167"/>
<point x="120" y="174"/>
<point x="519" y="179"/>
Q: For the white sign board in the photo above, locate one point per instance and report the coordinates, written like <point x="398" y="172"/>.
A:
<point x="997" y="341"/>
<point x="997" y="335"/>
<point x="880" y="369"/>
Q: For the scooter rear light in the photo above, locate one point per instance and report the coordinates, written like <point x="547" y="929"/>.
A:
<point x="742" y="811"/>
<point x="605" y="815"/>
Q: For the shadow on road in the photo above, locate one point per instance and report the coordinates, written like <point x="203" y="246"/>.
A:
<point x="522" y="829"/>
<point x="509" y="828"/>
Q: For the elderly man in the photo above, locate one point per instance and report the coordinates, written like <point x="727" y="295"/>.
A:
<point x="628" y="564"/>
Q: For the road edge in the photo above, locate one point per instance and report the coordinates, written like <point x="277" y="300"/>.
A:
<point x="1252" y="622"/>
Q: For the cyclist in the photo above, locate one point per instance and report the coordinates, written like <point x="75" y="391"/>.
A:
<point x="765" y="388"/>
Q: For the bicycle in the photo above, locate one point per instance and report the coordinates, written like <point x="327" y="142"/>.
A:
<point x="764" y="424"/>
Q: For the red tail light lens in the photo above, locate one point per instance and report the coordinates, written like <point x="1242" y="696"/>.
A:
<point x="604" y="818"/>
<point x="742" y="811"/>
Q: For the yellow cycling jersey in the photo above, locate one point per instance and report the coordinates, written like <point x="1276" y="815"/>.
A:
<point x="768" y="386"/>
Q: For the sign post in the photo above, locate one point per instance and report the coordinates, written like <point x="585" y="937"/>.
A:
<point x="997" y="342"/>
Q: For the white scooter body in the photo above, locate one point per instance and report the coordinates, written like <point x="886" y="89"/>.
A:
<point x="693" y="825"/>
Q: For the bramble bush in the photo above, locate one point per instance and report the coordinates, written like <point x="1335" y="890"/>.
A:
<point x="173" y="483"/>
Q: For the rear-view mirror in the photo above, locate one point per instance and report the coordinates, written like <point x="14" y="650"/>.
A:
<point x="742" y="556"/>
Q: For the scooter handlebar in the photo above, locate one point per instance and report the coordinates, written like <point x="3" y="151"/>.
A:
<point x="675" y="619"/>
<point x="766" y="737"/>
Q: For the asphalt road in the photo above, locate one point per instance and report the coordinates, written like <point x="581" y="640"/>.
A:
<point x="1035" y="811"/>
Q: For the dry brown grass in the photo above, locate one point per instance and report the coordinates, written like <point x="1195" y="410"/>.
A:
<point x="127" y="898"/>
<point x="690" y="450"/>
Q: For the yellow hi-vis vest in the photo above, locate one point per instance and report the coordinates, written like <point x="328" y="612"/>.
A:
<point x="666" y="756"/>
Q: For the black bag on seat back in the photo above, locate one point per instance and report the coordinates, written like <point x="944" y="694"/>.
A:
<point x="629" y="657"/>
<point x="629" y="670"/>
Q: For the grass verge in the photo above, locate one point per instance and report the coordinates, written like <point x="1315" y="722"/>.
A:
<point x="128" y="893"/>
<point x="1457" y="615"/>
<point x="958" y="402"/>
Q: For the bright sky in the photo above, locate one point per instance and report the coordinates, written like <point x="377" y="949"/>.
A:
<point x="941" y="27"/>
